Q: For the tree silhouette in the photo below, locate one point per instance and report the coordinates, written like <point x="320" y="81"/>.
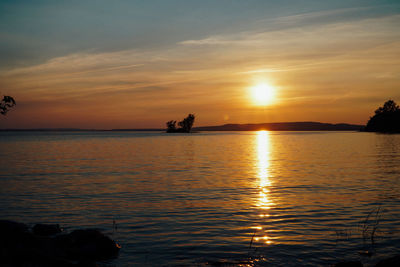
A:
<point x="389" y="107"/>
<point x="386" y="119"/>
<point x="7" y="103"/>
<point x="171" y="126"/>
<point x="185" y="125"/>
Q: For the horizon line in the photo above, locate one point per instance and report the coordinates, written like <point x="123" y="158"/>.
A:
<point x="163" y="129"/>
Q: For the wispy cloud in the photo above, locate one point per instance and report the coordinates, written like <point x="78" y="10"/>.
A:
<point x="308" y="57"/>
<point x="330" y="19"/>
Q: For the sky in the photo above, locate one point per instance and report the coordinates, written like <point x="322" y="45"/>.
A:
<point x="139" y="63"/>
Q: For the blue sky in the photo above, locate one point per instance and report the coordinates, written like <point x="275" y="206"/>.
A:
<point x="35" y="31"/>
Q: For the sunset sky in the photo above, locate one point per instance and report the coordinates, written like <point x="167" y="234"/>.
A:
<point x="138" y="64"/>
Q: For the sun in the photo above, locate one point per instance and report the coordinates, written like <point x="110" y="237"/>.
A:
<point x="263" y="94"/>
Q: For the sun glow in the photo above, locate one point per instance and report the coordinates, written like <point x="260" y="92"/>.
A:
<point x="263" y="94"/>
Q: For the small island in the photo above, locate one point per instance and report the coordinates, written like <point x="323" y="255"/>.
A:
<point x="185" y="125"/>
<point x="386" y="119"/>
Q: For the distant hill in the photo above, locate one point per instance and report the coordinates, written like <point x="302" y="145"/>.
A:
<point x="275" y="126"/>
<point x="283" y="126"/>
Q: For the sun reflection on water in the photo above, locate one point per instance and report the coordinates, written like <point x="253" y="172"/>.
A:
<point x="264" y="203"/>
<point x="263" y="165"/>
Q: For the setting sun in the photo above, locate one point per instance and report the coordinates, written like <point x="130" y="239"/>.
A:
<point x="263" y="94"/>
<point x="193" y="133"/>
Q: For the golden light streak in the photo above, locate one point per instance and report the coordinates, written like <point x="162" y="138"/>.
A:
<point x="263" y="166"/>
<point x="263" y="154"/>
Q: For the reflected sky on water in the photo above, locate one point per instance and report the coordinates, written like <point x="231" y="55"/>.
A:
<point x="205" y="197"/>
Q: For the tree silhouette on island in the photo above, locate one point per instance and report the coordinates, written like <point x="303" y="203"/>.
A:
<point x="386" y="119"/>
<point x="5" y="104"/>
<point x="185" y="125"/>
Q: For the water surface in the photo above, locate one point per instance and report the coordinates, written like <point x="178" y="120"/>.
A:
<point x="258" y="198"/>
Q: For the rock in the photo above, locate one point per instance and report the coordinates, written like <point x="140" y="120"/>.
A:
<point x="390" y="262"/>
<point x="10" y="227"/>
<point x="46" y="229"/>
<point x="348" y="264"/>
<point x="86" y="263"/>
<point x="92" y="244"/>
<point x="21" y="247"/>
<point x="87" y="244"/>
<point x="15" y="237"/>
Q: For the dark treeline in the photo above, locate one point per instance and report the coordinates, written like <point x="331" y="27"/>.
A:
<point x="386" y="119"/>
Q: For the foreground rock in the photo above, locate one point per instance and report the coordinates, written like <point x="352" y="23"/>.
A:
<point x="46" y="245"/>
<point x="87" y="244"/>
<point x="348" y="264"/>
<point x="46" y="229"/>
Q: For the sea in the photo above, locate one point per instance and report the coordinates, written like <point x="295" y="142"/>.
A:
<point x="211" y="198"/>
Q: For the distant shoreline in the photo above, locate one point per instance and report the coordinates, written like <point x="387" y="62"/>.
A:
<point x="275" y="126"/>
